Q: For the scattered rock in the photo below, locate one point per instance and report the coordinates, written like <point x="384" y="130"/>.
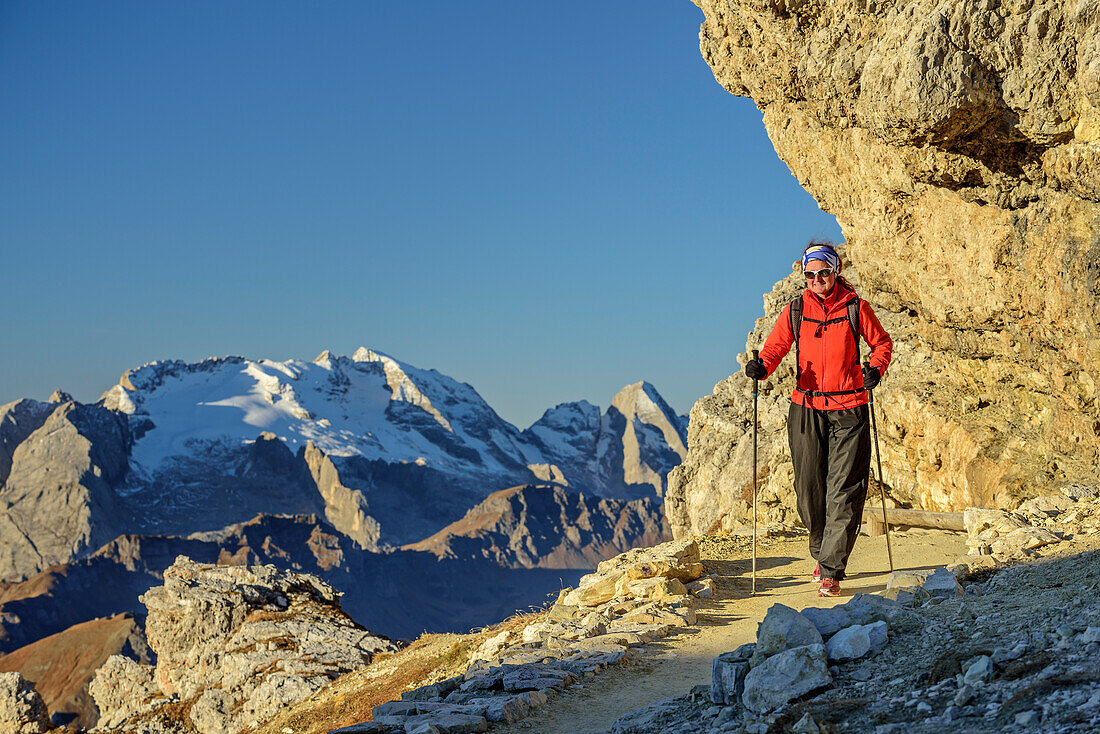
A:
<point x="907" y="579"/>
<point x="783" y="628"/>
<point x="785" y="676"/>
<point x="856" y="642"/>
<point x="942" y="583"/>
<point x="656" y="573"/>
<point x="366" y="727"/>
<point x="650" y="719"/>
<point x="860" y="609"/>
<point x="1051" y="505"/>
<point x="488" y="650"/>
<point x="592" y="591"/>
<point x="508" y="709"/>
<point x="728" y="671"/>
<point x="424" y="728"/>
<point x="806" y="725"/>
<point x="1081" y="492"/>
<point x="1038" y="621"/>
<point x="629" y="600"/>
<point x="1027" y="718"/>
<point x="978" y="671"/>
<point x="963" y="695"/>
<point x="703" y="588"/>
<point x="979" y="519"/>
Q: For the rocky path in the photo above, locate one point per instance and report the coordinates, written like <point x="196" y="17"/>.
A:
<point x="673" y="665"/>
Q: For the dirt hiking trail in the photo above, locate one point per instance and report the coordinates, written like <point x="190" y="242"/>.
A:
<point x="673" y="665"/>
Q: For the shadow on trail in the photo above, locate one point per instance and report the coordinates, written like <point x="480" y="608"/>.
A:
<point x="743" y="566"/>
<point x="885" y="570"/>
<point x="739" y="574"/>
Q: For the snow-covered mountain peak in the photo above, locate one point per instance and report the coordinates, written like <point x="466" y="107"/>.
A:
<point x="641" y="402"/>
<point x="381" y="422"/>
<point x="402" y="386"/>
<point x="128" y="395"/>
<point x="369" y="405"/>
<point x="573" y="416"/>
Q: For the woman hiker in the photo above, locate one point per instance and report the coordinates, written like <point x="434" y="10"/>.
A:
<point x="828" y="425"/>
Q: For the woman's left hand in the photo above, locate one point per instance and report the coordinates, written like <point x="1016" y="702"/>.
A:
<point x="871" y="377"/>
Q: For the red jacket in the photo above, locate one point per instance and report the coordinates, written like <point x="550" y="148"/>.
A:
<point x="827" y="355"/>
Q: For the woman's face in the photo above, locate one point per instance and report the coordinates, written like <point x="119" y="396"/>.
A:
<point x="819" y="285"/>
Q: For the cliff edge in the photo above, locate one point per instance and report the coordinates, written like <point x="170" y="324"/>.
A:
<point x="958" y="146"/>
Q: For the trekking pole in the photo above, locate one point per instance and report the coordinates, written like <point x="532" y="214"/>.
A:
<point x="881" y="488"/>
<point x="755" y="392"/>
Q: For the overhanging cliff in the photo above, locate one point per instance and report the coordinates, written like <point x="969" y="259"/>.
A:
<point x="958" y="146"/>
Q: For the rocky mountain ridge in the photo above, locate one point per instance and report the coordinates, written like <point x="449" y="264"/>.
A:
<point x="234" y="645"/>
<point x="546" y="526"/>
<point x="957" y="145"/>
<point x="628" y="451"/>
<point x="400" y="593"/>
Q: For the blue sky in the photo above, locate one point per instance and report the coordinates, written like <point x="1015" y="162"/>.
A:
<point x="548" y="201"/>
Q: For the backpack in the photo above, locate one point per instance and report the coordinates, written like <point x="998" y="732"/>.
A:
<point x="852" y="318"/>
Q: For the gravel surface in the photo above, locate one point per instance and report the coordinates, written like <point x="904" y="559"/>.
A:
<point x="1027" y="637"/>
<point x="674" y="665"/>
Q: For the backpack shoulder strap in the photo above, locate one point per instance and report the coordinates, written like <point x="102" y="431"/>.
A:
<point x="853" y="321"/>
<point x="796" y="317"/>
<point x="796" y="323"/>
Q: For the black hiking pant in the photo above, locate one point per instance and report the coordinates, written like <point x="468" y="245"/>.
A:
<point x="831" y="450"/>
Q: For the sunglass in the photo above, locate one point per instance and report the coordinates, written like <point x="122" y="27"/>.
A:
<point x="824" y="273"/>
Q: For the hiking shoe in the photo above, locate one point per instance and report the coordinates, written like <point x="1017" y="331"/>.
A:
<point x="829" y="587"/>
<point x="817" y="574"/>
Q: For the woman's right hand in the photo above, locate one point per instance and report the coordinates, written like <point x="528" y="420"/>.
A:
<point x="755" y="369"/>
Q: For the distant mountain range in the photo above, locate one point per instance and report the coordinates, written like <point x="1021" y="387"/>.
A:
<point x="387" y="453"/>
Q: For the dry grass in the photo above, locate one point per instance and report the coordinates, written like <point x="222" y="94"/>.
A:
<point x="175" y="716"/>
<point x="350" y="698"/>
<point x="265" y="615"/>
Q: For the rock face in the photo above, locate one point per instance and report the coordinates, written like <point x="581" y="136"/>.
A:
<point x="234" y="645"/>
<point x="548" y="526"/>
<point x="58" y="498"/>
<point x="18" y="420"/>
<point x="62" y="665"/>
<point x="958" y="147"/>
<point x="21" y="708"/>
